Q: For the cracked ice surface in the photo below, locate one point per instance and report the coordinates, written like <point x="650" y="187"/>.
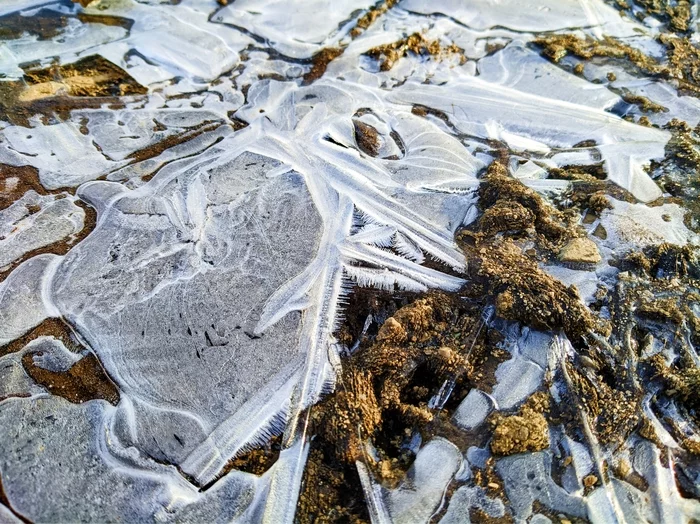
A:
<point x="215" y="274"/>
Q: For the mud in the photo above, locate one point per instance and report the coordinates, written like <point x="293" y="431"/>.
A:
<point x="256" y="461"/>
<point x="679" y="170"/>
<point x="53" y="92"/>
<point x="366" y="20"/>
<point x="526" y="431"/>
<point x="52" y="327"/>
<point x="419" y="341"/>
<point x="502" y="265"/>
<point x="416" y="44"/>
<point x="681" y="65"/>
<point x="46" y="24"/>
<point x="90" y="76"/>
<point x="367" y="138"/>
<point x="85" y="380"/>
<point x="677" y="15"/>
<point x="16" y="181"/>
<point x="382" y="397"/>
<point x="319" y="63"/>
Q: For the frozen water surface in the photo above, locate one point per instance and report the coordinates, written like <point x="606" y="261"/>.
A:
<point x="201" y="237"/>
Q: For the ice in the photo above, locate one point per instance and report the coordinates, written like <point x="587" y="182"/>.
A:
<point x="298" y="31"/>
<point x="561" y="14"/>
<point x="239" y="201"/>
<point x="61" y="153"/>
<point x="93" y="483"/>
<point x="74" y="39"/>
<point x="629" y="224"/>
<point x="488" y="110"/>
<point x="24" y="298"/>
<point x="527" y="479"/>
<point x="35" y="221"/>
<point x="466" y="498"/>
<point x="418" y="497"/>
<point x="167" y="255"/>
<point x="522" y="375"/>
<point x="473" y="410"/>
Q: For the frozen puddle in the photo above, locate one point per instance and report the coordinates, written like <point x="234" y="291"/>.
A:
<point x="192" y="193"/>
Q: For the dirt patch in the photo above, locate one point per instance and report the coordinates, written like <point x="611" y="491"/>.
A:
<point x="416" y="44"/>
<point x="382" y="399"/>
<point x="85" y="380"/>
<point x="377" y="383"/>
<point x="676" y="15"/>
<point x="90" y="82"/>
<point x="90" y="76"/>
<point x="171" y="141"/>
<point x="16" y="181"/>
<point x="45" y="24"/>
<point x="258" y="460"/>
<point x="371" y="16"/>
<point x="526" y="431"/>
<point x="367" y="138"/>
<point x="330" y="492"/>
<point x="51" y="327"/>
<point x="319" y="63"/>
<point x="501" y="266"/>
<point x="681" y="65"/>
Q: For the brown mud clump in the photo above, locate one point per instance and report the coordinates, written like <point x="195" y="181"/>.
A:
<point x="319" y="63"/>
<point x="257" y="460"/>
<point x="61" y="247"/>
<point x="502" y="264"/>
<point x="417" y="44"/>
<point x="89" y="76"/>
<point x="381" y="399"/>
<point x="88" y="83"/>
<point x="367" y="138"/>
<point x="681" y="64"/>
<point x="85" y="380"/>
<point x="676" y="15"/>
<point x="378" y="380"/>
<point x="371" y="16"/>
<point x="526" y="431"/>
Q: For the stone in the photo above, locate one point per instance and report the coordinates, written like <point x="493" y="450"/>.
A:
<point x="581" y="250"/>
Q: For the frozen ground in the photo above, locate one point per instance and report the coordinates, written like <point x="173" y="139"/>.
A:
<point x="200" y="235"/>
